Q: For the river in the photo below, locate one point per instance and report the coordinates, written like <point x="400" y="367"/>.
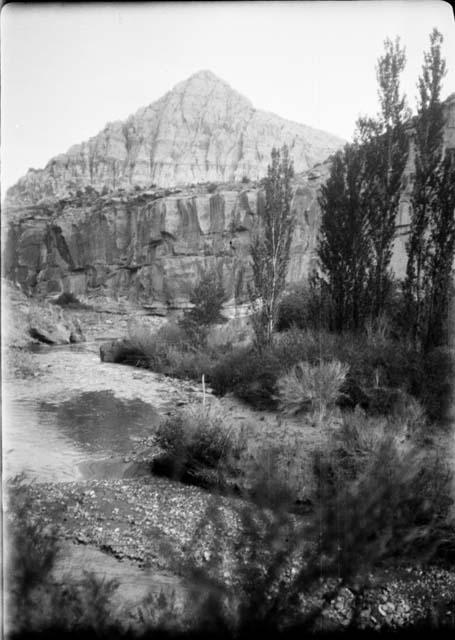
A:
<point x="58" y="425"/>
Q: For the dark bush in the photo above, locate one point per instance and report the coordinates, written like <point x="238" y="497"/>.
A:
<point x="436" y="390"/>
<point x="250" y="375"/>
<point x="67" y="298"/>
<point x="305" y="307"/>
<point x="198" y="446"/>
<point x="381" y="500"/>
<point x="212" y="187"/>
<point x="245" y="180"/>
<point x="207" y="296"/>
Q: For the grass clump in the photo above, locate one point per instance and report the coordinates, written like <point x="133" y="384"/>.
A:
<point x="306" y="386"/>
<point x="199" y="447"/>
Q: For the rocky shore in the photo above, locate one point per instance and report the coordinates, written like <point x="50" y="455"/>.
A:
<point x="153" y="524"/>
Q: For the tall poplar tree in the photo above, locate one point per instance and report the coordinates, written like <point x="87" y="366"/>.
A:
<point x="385" y="145"/>
<point x="344" y="247"/>
<point x="271" y="244"/>
<point x="440" y="255"/>
<point x="430" y="244"/>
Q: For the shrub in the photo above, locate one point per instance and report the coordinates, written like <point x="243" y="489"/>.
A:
<point x="304" y="307"/>
<point x="156" y="345"/>
<point x="196" y="440"/>
<point x="233" y="333"/>
<point x="378" y="330"/>
<point x="308" y="386"/>
<point x="436" y="388"/>
<point x="245" y="180"/>
<point x="294" y="345"/>
<point x="249" y="374"/>
<point x="189" y="364"/>
<point x="207" y="297"/>
<point x="349" y="448"/>
<point x="381" y="501"/>
<point x="170" y="350"/>
<point x="33" y="551"/>
<point x="151" y="341"/>
<point x="275" y="479"/>
<point x="35" y="601"/>
<point x="65" y="299"/>
<point x="212" y="187"/>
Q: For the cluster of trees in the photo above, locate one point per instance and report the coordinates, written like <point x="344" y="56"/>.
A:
<point x="360" y="204"/>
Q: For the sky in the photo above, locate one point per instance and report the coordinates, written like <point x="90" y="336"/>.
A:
<point x="68" y="69"/>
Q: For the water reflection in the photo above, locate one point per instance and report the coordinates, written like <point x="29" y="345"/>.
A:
<point x="49" y="441"/>
<point x="101" y="422"/>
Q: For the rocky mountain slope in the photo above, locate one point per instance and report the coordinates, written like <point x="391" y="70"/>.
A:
<point x="201" y="130"/>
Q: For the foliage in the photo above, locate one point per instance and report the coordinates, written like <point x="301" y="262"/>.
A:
<point x="431" y="243"/>
<point x="35" y="601"/>
<point x="270" y="247"/>
<point x="68" y="299"/>
<point x="32" y="555"/>
<point x="212" y="187"/>
<point x="169" y="350"/>
<point x="378" y="330"/>
<point x="359" y="205"/>
<point x="381" y="500"/>
<point x="305" y="306"/>
<point x="344" y="246"/>
<point x="308" y="386"/>
<point x="381" y="370"/>
<point x="188" y="364"/>
<point x="207" y="297"/>
<point x="197" y="439"/>
<point x="234" y="332"/>
<point x="277" y="478"/>
<point x="271" y="571"/>
<point x="249" y="374"/>
<point x="385" y="146"/>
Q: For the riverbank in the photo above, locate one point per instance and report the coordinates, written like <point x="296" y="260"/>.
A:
<point x="116" y="520"/>
<point x="152" y="526"/>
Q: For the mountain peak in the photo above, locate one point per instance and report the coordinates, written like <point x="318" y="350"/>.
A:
<point x="205" y="74"/>
<point x="202" y="130"/>
<point x="205" y="82"/>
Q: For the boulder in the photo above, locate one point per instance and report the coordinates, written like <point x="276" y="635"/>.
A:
<point x="26" y="320"/>
<point x="50" y="325"/>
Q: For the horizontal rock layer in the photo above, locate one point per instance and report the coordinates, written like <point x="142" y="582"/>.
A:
<point x="149" y="251"/>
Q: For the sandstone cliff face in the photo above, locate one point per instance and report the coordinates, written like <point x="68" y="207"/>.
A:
<point x="150" y="251"/>
<point x="200" y="131"/>
<point x="149" y="246"/>
<point x="399" y="258"/>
